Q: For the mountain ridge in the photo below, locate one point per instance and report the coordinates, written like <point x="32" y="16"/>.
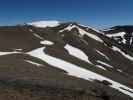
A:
<point x="70" y="53"/>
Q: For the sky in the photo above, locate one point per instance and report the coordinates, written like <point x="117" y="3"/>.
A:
<point x="97" y="13"/>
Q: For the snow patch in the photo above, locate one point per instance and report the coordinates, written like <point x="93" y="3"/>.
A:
<point x="119" y="70"/>
<point x="120" y="34"/>
<point x="18" y="49"/>
<point x="99" y="66"/>
<point x="7" y="53"/>
<point x="34" y="63"/>
<point x="77" y="71"/>
<point x="46" y="42"/>
<point x="30" y="30"/>
<point x="77" y="53"/>
<point x="103" y="63"/>
<point x="125" y="55"/>
<point x="36" y="35"/>
<point x="102" y="54"/>
<point x="116" y="34"/>
<point x="82" y="32"/>
<point x="69" y="28"/>
<point x="44" y="24"/>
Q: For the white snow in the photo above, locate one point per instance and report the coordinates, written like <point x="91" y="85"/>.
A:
<point x="43" y="24"/>
<point x="30" y="30"/>
<point x="116" y="34"/>
<point x="131" y="40"/>
<point x="69" y="28"/>
<point x="125" y="55"/>
<point x="99" y="66"/>
<point x="6" y="53"/>
<point x="121" y="34"/>
<point x="119" y="70"/>
<point x="77" y="71"/>
<point x="82" y="32"/>
<point x="47" y="42"/>
<point x="77" y="53"/>
<point x="102" y="54"/>
<point x="34" y="63"/>
<point x="103" y="63"/>
<point x="18" y="50"/>
<point x="36" y="35"/>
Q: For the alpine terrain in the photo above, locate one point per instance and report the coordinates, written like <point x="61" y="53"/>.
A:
<point x="50" y="60"/>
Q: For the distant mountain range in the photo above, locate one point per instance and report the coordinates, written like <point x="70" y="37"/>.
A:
<point x="50" y="60"/>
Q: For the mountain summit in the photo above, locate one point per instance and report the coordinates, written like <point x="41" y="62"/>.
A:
<point x="44" y="24"/>
<point x="49" y="60"/>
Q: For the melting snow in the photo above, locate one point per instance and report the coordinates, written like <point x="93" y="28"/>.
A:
<point x="102" y="54"/>
<point x="77" y="53"/>
<point x="19" y="49"/>
<point x="121" y="34"/>
<point x="6" y="53"/>
<point x="125" y="55"/>
<point x="77" y="71"/>
<point x="34" y="63"/>
<point x="116" y="34"/>
<point x="46" y="42"/>
<point x="119" y="70"/>
<point x="101" y="62"/>
<point x="43" y="24"/>
<point x="69" y="28"/>
<point x="36" y="35"/>
<point x="30" y="30"/>
<point x="99" y="66"/>
<point x="131" y="40"/>
<point x="82" y="32"/>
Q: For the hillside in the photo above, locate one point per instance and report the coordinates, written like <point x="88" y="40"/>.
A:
<point x="49" y="60"/>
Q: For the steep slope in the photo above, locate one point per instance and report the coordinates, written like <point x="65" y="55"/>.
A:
<point x="18" y="38"/>
<point x="64" y="61"/>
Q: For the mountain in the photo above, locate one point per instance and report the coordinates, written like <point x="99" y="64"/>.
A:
<point x="49" y="60"/>
<point x="122" y="34"/>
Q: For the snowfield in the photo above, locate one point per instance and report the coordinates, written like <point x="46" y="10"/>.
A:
<point x="121" y="34"/>
<point x="102" y="60"/>
<point x="43" y="24"/>
<point x="77" y="53"/>
<point x="82" y="32"/>
<point x="77" y="71"/>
